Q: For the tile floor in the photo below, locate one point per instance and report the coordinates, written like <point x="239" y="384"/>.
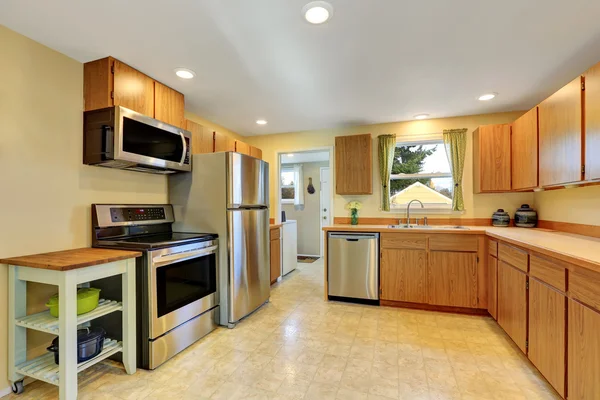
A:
<point x="300" y="347"/>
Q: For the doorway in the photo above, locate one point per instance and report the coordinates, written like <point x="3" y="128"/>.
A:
<point x="305" y="195"/>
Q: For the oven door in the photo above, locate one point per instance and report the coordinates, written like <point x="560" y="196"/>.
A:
<point x="183" y="284"/>
<point x="147" y="141"/>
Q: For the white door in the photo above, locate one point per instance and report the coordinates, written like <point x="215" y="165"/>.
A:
<point x="325" y="212"/>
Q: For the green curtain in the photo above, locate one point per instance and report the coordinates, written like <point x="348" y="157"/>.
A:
<point x="455" y="141"/>
<point x="387" y="145"/>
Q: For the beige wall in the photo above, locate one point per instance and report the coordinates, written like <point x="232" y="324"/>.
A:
<point x="476" y="206"/>
<point x="309" y="224"/>
<point x="578" y="205"/>
<point x="212" y="126"/>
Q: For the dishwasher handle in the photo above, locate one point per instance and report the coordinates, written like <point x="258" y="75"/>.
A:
<point x="353" y="237"/>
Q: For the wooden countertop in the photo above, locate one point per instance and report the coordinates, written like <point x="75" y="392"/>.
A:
<point x="274" y="226"/>
<point x="580" y="250"/>
<point x="71" y="259"/>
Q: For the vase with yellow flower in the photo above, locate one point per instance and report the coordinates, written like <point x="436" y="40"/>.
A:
<point x="354" y="206"/>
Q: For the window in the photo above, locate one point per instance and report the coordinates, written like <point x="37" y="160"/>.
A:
<point x="421" y="171"/>
<point x="288" y="186"/>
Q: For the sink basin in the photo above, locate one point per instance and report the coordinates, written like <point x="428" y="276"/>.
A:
<point x="427" y="227"/>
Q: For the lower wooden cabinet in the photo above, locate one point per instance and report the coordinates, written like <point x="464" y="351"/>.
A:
<point x="452" y="279"/>
<point x="403" y="275"/>
<point x="493" y="286"/>
<point x="583" y="352"/>
<point x="512" y="303"/>
<point x="275" y="256"/>
<point x="547" y="333"/>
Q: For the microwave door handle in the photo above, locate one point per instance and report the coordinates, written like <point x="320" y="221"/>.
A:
<point x="184" y="148"/>
<point x="162" y="260"/>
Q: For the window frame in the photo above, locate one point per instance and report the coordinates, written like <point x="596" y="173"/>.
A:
<point x="430" y="208"/>
<point x="281" y="186"/>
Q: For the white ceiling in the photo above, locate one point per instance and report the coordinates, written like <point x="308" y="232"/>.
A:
<point x="374" y="61"/>
<point x="305" y="157"/>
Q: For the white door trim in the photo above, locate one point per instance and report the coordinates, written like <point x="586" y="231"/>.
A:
<point x="322" y="241"/>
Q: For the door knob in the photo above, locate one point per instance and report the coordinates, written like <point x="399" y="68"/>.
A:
<point x="325" y="209"/>
<point x="324" y="217"/>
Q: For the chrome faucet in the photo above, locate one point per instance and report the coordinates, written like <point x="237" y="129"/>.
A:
<point x="408" y="211"/>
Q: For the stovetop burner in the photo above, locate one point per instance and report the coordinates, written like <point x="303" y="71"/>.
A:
<point x="161" y="240"/>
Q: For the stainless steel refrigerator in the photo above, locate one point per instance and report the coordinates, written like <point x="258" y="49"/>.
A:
<point x="228" y="194"/>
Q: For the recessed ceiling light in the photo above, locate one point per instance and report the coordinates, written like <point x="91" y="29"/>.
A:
<point x="261" y="121"/>
<point x="317" y="12"/>
<point x="487" y="96"/>
<point x="290" y="155"/>
<point x="421" y="116"/>
<point x="184" y="73"/>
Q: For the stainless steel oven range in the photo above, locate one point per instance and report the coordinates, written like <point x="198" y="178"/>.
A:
<point x="176" y="281"/>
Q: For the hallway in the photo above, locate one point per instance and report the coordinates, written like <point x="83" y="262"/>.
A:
<point x="300" y="347"/>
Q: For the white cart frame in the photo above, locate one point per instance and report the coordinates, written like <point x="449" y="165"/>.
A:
<point x="43" y="368"/>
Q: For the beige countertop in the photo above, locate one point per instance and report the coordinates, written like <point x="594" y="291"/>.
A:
<point x="580" y="250"/>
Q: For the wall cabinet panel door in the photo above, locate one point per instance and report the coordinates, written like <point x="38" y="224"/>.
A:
<point x="275" y="260"/>
<point x="584" y="352"/>
<point x="560" y="136"/>
<point x="224" y="143"/>
<point x="524" y="149"/>
<point x="493" y="286"/>
<point x="353" y="164"/>
<point x="491" y="159"/>
<point x="512" y="303"/>
<point x="547" y="333"/>
<point x="403" y="275"/>
<point x="169" y="105"/>
<point x="452" y="279"/>
<point x="133" y="90"/>
<point x="255" y="152"/>
<point x="592" y="123"/>
<point x="202" y="138"/>
<point x="242" y="147"/>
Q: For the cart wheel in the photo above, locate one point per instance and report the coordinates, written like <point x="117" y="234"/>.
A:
<point x="17" y="387"/>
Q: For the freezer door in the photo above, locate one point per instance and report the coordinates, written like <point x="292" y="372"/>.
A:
<point x="249" y="261"/>
<point x="247" y="181"/>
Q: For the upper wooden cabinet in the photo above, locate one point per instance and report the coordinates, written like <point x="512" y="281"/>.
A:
<point x="491" y="159"/>
<point x="592" y="123"/>
<point x="202" y="138"/>
<point x="242" y="147"/>
<point x="223" y="142"/>
<point x="353" y="164"/>
<point x="169" y="105"/>
<point x="524" y="151"/>
<point x="255" y="152"/>
<point x="560" y="136"/>
<point x="109" y="82"/>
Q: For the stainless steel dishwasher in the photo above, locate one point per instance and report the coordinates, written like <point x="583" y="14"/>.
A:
<point x="353" y="266"/>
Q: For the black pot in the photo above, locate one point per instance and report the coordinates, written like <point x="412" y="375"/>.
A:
<point x="90" y="342"/>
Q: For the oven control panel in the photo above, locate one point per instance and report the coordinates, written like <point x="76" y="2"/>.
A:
<point x="130" y="214"/>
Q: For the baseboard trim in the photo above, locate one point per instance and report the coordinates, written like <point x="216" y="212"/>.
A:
<point x="5" y="392"/>
<point x="432" y="307"/>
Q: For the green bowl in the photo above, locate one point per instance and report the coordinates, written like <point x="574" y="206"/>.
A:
<point x="87" y="300"/>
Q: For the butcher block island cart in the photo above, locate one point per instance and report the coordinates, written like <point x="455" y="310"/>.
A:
<point x="67" y="269"/>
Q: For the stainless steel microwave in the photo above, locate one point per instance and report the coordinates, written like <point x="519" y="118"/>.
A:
<point x="117" y="137"/>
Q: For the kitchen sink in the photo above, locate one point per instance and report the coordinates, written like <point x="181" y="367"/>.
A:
<point x="427" y="227"/>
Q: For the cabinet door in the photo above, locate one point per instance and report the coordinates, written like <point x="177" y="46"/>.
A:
<point x="512" y="303"/>
<point x="275" y="260"/>
<point x="403" y="275"/>
<point x="242" y="147"/>
<point x="493" y="286"/>
<point x="547" y="330"/>
<point x="592" y="123"/>
<point x="169" y="105"/>
<point x="202" y="138"/>
<point x="133" y="90"/>
<point x="98" y="84"/>
<point x="224" y="143"/>
<point x="560" y="136"/>
<point x="491" y="148"/>
<point x="353" y="165"/>
<point x="452" y="279"/>
<point x="524" y="149"/>
<point x="255" y="152"/>
<point x="584" y="352"/>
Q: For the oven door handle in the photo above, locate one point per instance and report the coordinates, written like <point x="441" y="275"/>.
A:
<point x="172" y="258"/>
